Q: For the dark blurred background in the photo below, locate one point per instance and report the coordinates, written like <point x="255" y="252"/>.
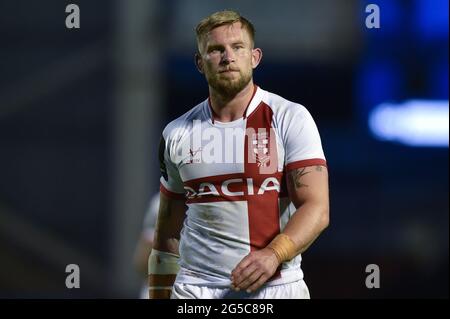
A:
<point x="81" y="112"/>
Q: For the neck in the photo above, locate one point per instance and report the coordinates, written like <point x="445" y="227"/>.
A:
<point x="226" y="108"/>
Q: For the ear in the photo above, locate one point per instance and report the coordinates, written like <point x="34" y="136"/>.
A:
<point x="256" y="57"/>
<point x="199" y="62"/>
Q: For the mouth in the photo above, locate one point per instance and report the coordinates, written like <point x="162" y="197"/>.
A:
<point x="228" y="71"/>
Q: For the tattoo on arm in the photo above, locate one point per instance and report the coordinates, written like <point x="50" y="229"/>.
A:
<point x="297" y="175"/>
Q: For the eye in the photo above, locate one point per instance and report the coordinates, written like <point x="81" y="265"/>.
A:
<point x="214" y="50"/>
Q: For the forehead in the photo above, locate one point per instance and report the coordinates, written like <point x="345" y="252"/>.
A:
<point x="227" y="33"/>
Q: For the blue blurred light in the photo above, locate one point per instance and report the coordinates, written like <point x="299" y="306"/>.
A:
<point x="378" y="81"/>
<point x="431" y="18"/>
<point x="438" y="78"/>
<point x="419" y="123"/>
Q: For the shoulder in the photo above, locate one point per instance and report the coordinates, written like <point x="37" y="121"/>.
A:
<point x="284" y="110"/>
<point x="184" y="122"/>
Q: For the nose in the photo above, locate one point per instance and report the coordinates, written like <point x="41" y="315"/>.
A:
<point x="228" y="56"/>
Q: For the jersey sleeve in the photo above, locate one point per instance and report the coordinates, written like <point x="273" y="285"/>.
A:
<point x="303" y="146"/>
<point x="171" y="184"/>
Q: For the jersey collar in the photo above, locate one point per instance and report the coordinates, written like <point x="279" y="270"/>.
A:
<point x="255" y="100"/>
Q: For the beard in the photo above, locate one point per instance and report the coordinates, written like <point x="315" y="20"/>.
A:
<point x="226" y="86"/>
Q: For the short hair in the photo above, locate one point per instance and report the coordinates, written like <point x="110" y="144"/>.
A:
<point x="220" y="18"/>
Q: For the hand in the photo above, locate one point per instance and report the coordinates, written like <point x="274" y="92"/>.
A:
<point x="254" y="270"/>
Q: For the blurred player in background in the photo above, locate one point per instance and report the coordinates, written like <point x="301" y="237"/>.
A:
<point x="250" y="167"/>
<point x="144" y="245"/>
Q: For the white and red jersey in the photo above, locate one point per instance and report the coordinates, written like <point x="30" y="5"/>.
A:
<point x="232" y="178"/>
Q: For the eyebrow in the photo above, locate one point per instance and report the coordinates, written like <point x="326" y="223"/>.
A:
<point x="219" y="46"/>
<point x="214" y="47"/>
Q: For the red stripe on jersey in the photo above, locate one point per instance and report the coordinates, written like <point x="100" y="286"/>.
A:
<point x="263" y="211"/>
<point x="305" y="163"/>
<point x="170" y="194"/>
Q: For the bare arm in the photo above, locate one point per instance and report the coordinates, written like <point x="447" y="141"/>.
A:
<point x="308" y="190"/>
<point x="167" y="234"/>
<point x="169" y="223"/>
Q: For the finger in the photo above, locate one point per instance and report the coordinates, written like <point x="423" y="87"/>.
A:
<point x="244" y="274"/>
<point x="250" y="280"/>
<point x="258" y="283"/>
<point x="241" y="266"/>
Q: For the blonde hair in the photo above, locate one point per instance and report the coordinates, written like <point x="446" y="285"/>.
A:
<point x="220" y="18"/>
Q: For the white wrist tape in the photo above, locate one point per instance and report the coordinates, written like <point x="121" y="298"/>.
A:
<point x="163" y="263"/>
